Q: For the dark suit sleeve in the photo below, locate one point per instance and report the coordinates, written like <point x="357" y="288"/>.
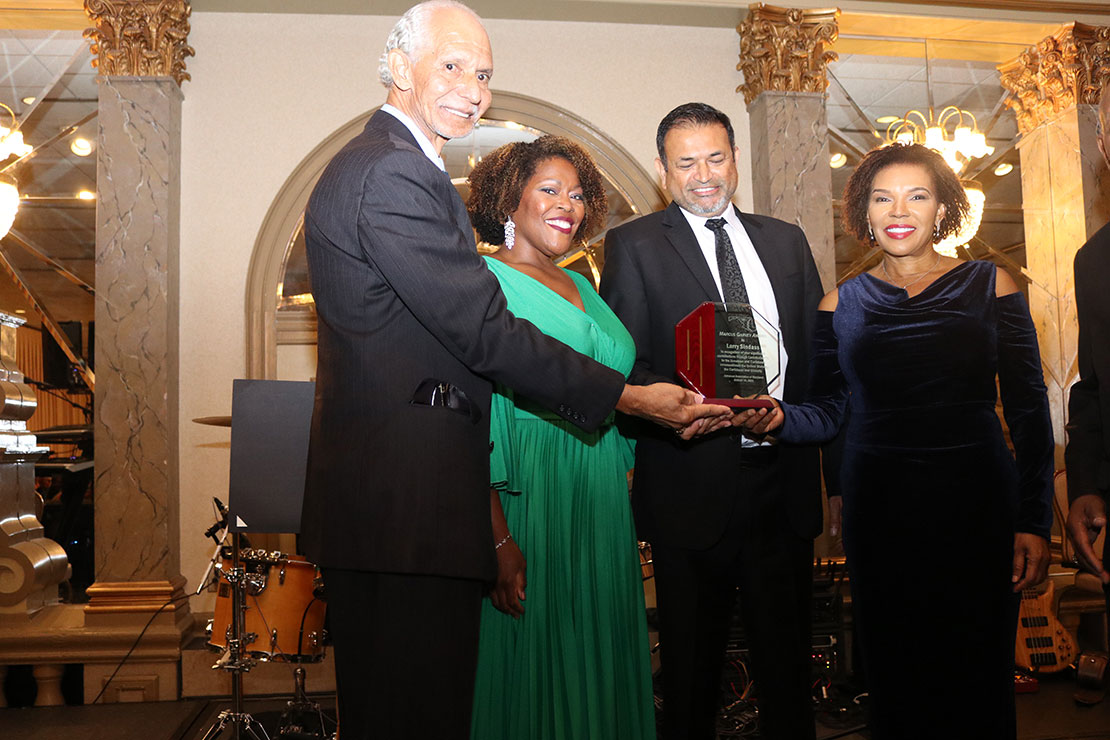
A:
<point x="407" y="232"/>
<point x="1084" y="455"/>
<point x="622" y="287"/>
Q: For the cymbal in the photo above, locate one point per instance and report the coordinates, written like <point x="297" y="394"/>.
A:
<point x="214" y="421"/>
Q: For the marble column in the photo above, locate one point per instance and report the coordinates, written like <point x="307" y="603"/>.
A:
<point x="140" y="50"/>
<point x="784" y="55"/>
<point x="791" y="177"/>
<point x="136" y="331"/>
<point x="1065" y="187"/>
<point x="135" y="430"/>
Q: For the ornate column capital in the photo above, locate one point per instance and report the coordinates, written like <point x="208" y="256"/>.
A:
<point x="1060" y="71"/>
<point x="786" y="49"/>
<point x="141" y="38"/>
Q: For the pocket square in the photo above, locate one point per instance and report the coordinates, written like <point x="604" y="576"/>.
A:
<point x="432" y="392"/>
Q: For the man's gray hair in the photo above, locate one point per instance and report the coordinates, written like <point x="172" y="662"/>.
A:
<point x="411" y="33"/>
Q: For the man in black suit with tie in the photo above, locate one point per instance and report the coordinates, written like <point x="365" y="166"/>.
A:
<point x="412" y="330"/>
<point x="722" y="513"/>
<point x="1087" y="455"/>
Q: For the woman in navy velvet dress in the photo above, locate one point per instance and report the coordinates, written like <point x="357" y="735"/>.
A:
<point x="942" y="526"/>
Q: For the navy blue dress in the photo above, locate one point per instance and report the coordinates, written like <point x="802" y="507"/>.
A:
<point x="932" y="495"/>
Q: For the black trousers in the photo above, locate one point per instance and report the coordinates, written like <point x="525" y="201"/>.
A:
<point x="771" y="567"/>
<point x="406" y="649"/>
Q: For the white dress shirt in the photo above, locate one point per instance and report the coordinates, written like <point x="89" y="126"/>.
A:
<point x="760" y="294"/>
<point x="421" y="139"/>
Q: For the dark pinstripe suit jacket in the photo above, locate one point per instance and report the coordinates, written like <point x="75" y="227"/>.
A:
<point x="402" y="296"/>
<point x="1088" y="451"/>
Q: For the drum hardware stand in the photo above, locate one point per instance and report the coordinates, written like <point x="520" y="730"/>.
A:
<point x="236" y="660"/>
<point x="292" y="719"/>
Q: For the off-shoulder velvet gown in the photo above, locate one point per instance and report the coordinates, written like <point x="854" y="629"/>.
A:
<point x="576" y="665"/>
<point x="932" y="496"/>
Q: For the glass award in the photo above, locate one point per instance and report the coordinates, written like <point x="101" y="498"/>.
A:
<point x="729" y="353"/>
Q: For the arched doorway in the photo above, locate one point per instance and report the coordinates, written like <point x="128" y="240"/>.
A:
<point x="281" y="320"/>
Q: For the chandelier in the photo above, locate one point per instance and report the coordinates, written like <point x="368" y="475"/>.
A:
<point x="11" y="144"/>
<point x="976" y="200"/>
<point x="955" y="135"/>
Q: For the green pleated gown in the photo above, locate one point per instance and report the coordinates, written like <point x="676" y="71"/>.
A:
<point x="576" y="665"/>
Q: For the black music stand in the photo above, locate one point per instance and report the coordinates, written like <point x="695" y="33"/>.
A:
<point x="270" y="421"/>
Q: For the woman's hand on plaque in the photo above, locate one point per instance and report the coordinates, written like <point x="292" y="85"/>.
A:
<point x="759" y="421"/>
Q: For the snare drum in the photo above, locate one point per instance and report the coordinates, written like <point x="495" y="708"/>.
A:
<point x="284" y="618"/>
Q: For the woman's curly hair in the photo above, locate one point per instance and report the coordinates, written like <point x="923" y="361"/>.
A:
<point x="857" y="194"/>
<point x="497" y="183"/>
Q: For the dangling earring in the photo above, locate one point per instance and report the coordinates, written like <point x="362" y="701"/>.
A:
<point x="936" y="233"/>
<point x="510" y="233"/>
<point x="870" y="234"/>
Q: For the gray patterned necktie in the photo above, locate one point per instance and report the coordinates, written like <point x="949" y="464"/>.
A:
<point x="732" y="280"/>
<point x="733" y="289"/>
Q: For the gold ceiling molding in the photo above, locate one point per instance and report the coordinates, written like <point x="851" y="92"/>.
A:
<point x="1060" y="71"/>
<point x="144" y="38"/>
<point x="1036" y="6"/>
<point x="53" y="15"/>
<point x="785" y="49"/>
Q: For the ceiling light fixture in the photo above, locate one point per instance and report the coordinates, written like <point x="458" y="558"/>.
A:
<point x="29" y="100"/>
<point x="11" y="144"/>
<point x="838" y="160"/>
<point x="977" y="199"/>
<point x="9" y="203"/>
<point x="1003" y="169"/>
<point x="81" y="146"/>
<point x="86" y="195"/>
<point x="963" y="143"/>
<point x="11" y="139"/>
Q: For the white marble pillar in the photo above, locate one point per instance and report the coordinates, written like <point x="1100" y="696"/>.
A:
<point x="784" y="55"/>
<point x="791" y="177"/>
<point x="1065" y="199"/>
<point x="1065" y="187"/>
<point x="136" y="484"/>
<point x="138" y="195"/>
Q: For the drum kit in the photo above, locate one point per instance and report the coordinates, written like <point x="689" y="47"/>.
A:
<point x="270" y="606"/>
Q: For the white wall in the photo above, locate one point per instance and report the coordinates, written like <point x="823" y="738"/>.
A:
<point x="266" y="89"/>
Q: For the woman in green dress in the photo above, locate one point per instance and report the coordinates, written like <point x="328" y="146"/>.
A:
<point x="563" y="650"/>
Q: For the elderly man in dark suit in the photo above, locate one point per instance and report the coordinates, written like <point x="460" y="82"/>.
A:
<point x="412" y="330"/>
<point x="1087" y="455"/>
<point x="722" y="512"/>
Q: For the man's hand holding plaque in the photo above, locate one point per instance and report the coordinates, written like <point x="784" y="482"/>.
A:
<point x="729" y="353"/>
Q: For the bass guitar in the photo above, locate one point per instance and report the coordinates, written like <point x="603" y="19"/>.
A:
<point x="1043" y="645"/>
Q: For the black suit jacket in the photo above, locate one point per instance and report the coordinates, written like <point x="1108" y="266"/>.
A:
<point x="402" y="296"/>
<point x="1088" y="452"/>
<point x="654" y="275"/>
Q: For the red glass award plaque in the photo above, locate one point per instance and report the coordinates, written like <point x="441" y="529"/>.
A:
<point x="723" y="351"/>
